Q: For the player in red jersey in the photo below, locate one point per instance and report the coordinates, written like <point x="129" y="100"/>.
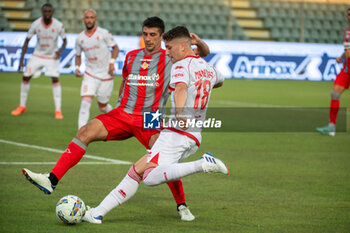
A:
<point x="45" y="55"/>
<point x="146" y="75"/>
<point x="341" y="83"/>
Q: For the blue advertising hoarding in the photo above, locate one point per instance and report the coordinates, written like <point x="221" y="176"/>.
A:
<point x="234" y="59"/>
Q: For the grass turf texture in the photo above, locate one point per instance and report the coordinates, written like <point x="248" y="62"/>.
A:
<point x="279" y="182"/>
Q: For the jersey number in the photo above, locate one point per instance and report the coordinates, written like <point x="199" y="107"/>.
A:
<point x="205" y="86"/>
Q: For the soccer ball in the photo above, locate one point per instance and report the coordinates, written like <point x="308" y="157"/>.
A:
<point x="70" y="209"/>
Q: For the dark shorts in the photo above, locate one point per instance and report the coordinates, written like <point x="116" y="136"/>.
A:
<point x="121" y="125"/>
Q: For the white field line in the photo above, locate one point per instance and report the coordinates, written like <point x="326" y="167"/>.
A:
<point x="114" y="161"/>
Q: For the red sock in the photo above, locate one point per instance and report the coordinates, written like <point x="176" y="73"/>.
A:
<point x="68" y="159"/>
<point x="333" y="111"/>
<point x="177" y="190"/>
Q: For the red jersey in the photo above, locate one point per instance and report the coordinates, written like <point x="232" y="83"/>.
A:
<point x="146" y="82"/>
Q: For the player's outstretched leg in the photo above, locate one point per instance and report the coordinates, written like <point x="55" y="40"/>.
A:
<point x="164" y="173"/>
<point x="93" y="131"/>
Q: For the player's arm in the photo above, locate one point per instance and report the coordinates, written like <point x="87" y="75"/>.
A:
<point x="24" y="50"/>
<point x="77" y="65"/>
<point x="202" y="48"/>
<point x="115" y="53"/>
<point x="58" y="52"/>
<point x="180" y="98"/>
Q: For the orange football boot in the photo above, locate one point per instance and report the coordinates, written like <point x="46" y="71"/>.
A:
<point x="19" y="110"/>
<point x="58" y="115"/>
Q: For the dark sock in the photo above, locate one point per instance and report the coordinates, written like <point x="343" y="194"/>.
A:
<point x="178" y="205"/>
<point x="53" y="179"/>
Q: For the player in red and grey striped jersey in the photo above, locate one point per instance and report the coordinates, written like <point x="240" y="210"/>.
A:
<point x="341" y="83"/>
<point x="146" y="75"/>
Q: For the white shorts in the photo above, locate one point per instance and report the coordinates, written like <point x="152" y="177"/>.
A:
<point x="171" y="147"/>
<point x="36" y="64"/>
<point x="96" y="87"/>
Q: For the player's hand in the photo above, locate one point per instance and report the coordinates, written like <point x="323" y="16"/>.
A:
<point x="57" y="55"/>
<point x="194" y="39"/>
<point x="20" y="67"/>
<point x="78" y="74"/>
<point x="338" y="59"/>
<point x="182" y="122"/>
<point x="111" y="69"/>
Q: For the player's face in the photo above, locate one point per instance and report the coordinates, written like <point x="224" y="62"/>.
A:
<point x="47" y="12"/>
<point x="174" y="50"/>
<point x="152" y="38"/>
<point x="90" y="20"/>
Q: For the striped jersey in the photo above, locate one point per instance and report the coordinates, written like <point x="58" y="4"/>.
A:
<point x="347" y="46"/>
<point x="146" y="82"/>
<point x="96" y="49"/>
<point x="200" y="77"/>
<point x="47" y="37"/>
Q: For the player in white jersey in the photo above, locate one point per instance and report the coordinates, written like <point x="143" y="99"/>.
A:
<point x="192" y="80"/>
<point x="46" y="55"/>
<point x="95" y="42"/>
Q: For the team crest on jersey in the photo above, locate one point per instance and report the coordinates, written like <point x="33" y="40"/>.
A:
<point x="97" y="38"/>
<point x="82" y="41"/>
<point x="144" y="65"/>
<point x="53" y="30"/>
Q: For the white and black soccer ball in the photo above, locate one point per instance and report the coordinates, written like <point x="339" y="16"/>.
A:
<point x="70" y="209"/>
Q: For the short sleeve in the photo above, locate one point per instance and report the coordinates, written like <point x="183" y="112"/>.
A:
<point x="31" y="31"/>
<point x="78" y="48"/>
<point x="219" y="77"/>
<point x="179" y="74"/>
<point x="125" y="67"/>
<point x="62" y="32"/>
<point x="109" y="39"/>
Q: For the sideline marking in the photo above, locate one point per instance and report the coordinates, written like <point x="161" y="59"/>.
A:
<point x="114" y="161"/>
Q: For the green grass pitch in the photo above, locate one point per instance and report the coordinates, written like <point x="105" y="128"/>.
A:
<point x="279" y="182"/>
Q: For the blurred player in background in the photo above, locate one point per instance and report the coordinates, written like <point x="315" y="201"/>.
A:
<point x="341" y="83"/>
<point x="146" y="76"/>
<point x="45" y="56"/>
<point x="192" y="80"/>
<point x="98" y="78"/>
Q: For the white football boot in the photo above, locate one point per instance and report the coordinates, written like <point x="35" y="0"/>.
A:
<point x="39" y="180"/>
<point x="185" y="213"/>
<point x="88" y="217"/>
<point x="212" y="164"/>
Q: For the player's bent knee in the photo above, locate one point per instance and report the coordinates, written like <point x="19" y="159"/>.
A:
<point x="93" y="131"/>
<point x="335" y="95"/>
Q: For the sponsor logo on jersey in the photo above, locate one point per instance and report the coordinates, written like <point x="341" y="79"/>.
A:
<point x="178" y="75"/>
<point x="144" y="65"/>
<point x="179" y="67"/>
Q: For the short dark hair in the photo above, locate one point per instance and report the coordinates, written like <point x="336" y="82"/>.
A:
<point x="46" y="5"/>
<point x="177" y="32"/>
<point x="154" y="22"/>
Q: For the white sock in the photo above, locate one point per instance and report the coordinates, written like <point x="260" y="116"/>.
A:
<point x="84" y="111"/>
<point x="106" y="109"/>
<point x="25" y="86"/>
<point x="123" y="192"/>
<point x="169" y="172"/>
<point x="56" y="90"/>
